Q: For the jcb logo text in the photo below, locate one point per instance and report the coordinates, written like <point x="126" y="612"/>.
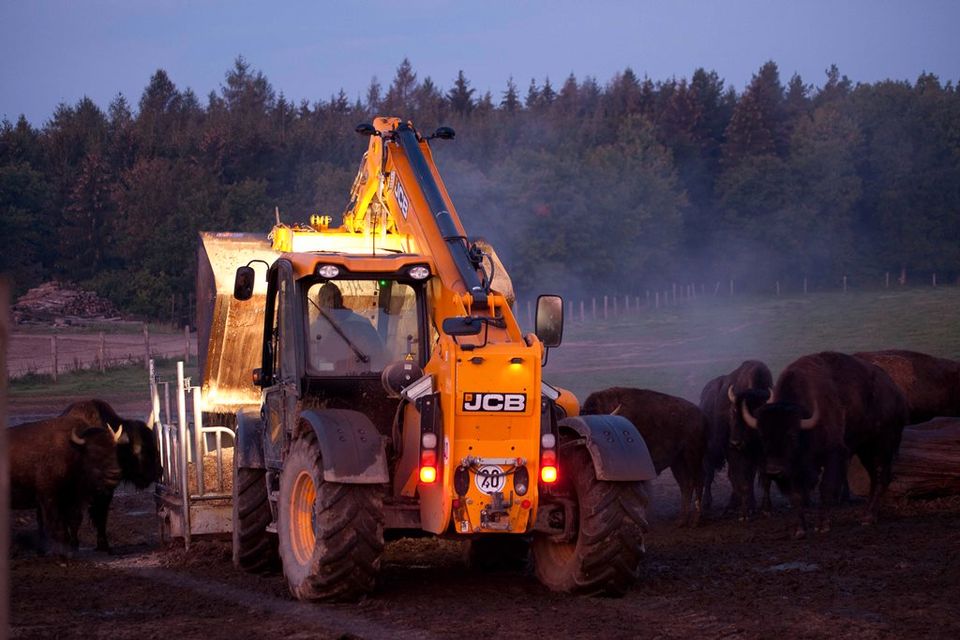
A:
<point x="516" y="402"/>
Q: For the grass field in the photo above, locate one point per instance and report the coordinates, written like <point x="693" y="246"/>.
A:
<point x="678" y="349"/>
<point x="128" y="379"/>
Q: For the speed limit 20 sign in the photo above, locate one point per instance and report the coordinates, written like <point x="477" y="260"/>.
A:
<point x="490" y="479"/>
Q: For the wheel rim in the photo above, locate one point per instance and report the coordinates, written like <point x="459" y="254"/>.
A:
<point x="303" y="536"/>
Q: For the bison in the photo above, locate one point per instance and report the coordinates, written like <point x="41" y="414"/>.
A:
<point x="931" y="385"/>
<point x="137" y="455"/>
<point x="727" y="440"/>
<point x="58" y="466"/>
<point x="825" y="408"/>
<point x="674" y="431"/>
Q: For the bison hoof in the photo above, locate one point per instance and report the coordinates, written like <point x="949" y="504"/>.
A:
<point x="800" y="534"/>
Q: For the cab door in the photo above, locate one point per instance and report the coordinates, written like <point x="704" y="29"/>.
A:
<point x="280" y="363"/>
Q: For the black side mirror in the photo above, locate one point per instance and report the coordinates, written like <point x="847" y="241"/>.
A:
<point x="365" y="129"/>
<point x="444" y="133"/>
<point x="462" y="326"/>
<point x="549" y="320"/>
<point x="243" y="283"/>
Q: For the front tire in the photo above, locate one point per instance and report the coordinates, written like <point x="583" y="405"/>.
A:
<point x="254" y="548"/>
<point x="331" y="534"/>
<point x="604" y="558"/>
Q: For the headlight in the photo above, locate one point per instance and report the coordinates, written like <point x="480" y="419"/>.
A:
<point x="419" y="272"/>
<point x="328" y="271"/>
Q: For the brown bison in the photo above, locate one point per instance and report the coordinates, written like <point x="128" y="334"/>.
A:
<point x="674" y="431"/>
<point x="137" y="455"/>
<point x="825" y="408"/>
<point x="931" y="385"/>
<point x="727" y="438"/>
<point x="58" y="466"/>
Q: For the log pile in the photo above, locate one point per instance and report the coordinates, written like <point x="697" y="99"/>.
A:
<point x="55" y="301"/>
<point x="927" y="466"/>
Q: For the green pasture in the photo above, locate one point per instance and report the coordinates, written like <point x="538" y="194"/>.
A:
<point x="91" y="382"/>
<point x="679" y="348"/>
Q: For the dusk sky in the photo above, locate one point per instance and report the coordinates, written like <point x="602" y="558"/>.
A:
<point x="54" y="51"/>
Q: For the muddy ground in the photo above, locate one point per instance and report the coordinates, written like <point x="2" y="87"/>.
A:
<point x="900" y="578"/>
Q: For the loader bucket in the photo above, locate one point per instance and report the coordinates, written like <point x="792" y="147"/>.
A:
<point x="229" y="331"/>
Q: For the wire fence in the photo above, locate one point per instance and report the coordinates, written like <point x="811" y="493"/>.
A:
<point x="55" y="353"/>
<point x="610" y="306"/>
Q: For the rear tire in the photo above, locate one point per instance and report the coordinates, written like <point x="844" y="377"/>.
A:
<point x="605" y="557"/>
<point x="331" y="534"/>
<point x="254" y="548"/>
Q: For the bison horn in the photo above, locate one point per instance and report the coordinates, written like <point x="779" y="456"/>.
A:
<point x="616" y="411"/>
<point x="75" y="439"/>
<point x="770" y="397"/>
<point x="748" y="418"/>
<point x="116" y="434"/>
<point x="730" y="394"/>
<point x="811" y="422"/>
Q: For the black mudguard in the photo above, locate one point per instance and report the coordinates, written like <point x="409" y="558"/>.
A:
<point x="352" y="449"/>
<point x="616" y="447"/>
<point x="249" y="440"/>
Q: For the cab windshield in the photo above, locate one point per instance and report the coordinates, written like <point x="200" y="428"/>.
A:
<point x="359" y="326"/>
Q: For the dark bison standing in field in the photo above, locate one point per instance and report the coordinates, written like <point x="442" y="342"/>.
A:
<point x="674" y="431"/>
<point x="931" y="385"/>
<point x="58" y="466"/>
<point x="727" y="437"/>
<point x="137" y="455"/>
<point x="825" y="408"/>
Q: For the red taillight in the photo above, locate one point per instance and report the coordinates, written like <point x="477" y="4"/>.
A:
<point x="428" y="475"/>
<point x="548" y="474"/>
<point x="428" y="466"/>
<point x="548" y="466"/>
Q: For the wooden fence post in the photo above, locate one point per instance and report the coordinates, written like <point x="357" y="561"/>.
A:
<point x="101" y="353"/>
<point x="582" y="318"/>
<point x="529" y="313"/>
<point x="53" y="356"/>
<point x="804" y="285"/>
<point x="186" y="343"/>
<point x="656" y="300"/>
<point x="934" y="280"/>
<point x="594" y="308"/>
<point x="778" y="288"/>
<point x="844" y="284"/>
<point x="146" y="346"/>
<point x="604" y="307"/>
<point x="731" y="287"/>
<point x="887" y="285"/>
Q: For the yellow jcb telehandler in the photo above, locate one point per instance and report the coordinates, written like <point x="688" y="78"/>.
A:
<point x="393" y="392"/>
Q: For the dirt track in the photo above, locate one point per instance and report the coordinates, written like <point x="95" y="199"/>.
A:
<point x="900" y="578"/>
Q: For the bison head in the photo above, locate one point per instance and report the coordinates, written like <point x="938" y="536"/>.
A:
<point x="751" y="400"/>
<point x="602" y="402"/>
<point x="138" y="455"/>
<point x="781" y="426"/>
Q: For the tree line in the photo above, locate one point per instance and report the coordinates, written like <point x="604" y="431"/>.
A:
<point x="627" y="184"/>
